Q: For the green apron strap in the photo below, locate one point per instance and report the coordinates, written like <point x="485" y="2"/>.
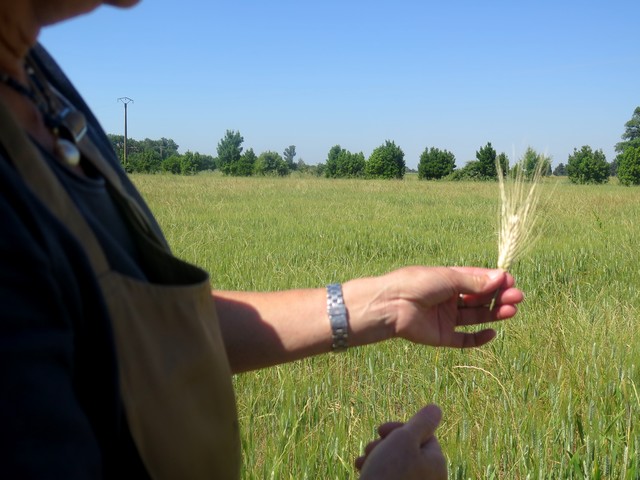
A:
<point x="130" y="207"/>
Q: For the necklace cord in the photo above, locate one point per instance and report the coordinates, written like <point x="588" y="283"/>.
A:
<point x="67" y="125"/>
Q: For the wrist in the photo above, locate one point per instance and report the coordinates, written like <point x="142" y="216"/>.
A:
<point x="370" y="315"/>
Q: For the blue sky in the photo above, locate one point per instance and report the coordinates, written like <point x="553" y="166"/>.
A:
<point x="553" y="75"/>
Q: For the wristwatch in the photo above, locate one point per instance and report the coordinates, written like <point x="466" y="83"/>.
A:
<point x="337" y="317"/>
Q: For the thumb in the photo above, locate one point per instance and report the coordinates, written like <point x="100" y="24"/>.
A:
<point x="423" y="424"/>
<point x="472" y="282"/>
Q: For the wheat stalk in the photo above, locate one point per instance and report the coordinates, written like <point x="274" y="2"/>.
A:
<point x="518" y="202"/>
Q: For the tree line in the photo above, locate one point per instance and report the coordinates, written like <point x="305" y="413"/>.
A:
<point x="584" y="165"/>
<point x="155" y="156"/>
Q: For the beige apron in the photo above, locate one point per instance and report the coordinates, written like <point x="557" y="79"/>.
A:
<point x="174" y="374"/>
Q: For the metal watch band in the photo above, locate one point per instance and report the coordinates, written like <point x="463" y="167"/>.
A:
<point x="338" y="317"/>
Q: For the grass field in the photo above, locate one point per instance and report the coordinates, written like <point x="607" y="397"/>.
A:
<point x="554" y="396"/>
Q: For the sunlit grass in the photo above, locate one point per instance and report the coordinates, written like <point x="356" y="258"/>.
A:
<point x="554" y="396"/>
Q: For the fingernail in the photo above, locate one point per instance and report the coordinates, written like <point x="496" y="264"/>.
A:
<point x="493" y="274"/>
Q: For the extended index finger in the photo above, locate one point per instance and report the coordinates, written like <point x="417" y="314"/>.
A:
<point x="423" y="424"/>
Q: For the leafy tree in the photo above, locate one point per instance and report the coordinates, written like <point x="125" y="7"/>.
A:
<point x="503" y="160"/>
<point x="486" y="157"/>
<point x="484" y="167"/>
<point x="171" y="164"/>
<point x="386" y="161"/>
<point x="350" y="164"/>
<point x="302" y="167"/>
<point x="471" y="171"/>
<point x="629" y="167"/>
<point x="530" y="161"/>
<point x="229" y="152"/>
<point x="317" y="170"/>
<point x="133" y="146"/>
<point x="208" y="162"/>
<point x="613" y="166"/>
<point x="117" y="143"/>
<point x="631" y="135"/>
<point x="435" y="163"/>
<point x="341" y="163"/>
<point x="165" y="147"/>
<point x="587" y="166"/>
<point x="245" y="167"/>
<point x="331" y="166"/>
<point x="271" y="163"/>
<point x="188" y="164"/>
<point x="560" y="170"/>
<point x="144" y="162"/>
<point x="191" y="163"/>
<point x="288" y="155"/>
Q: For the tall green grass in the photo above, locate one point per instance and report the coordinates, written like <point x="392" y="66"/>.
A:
<point x="554" y="396"/>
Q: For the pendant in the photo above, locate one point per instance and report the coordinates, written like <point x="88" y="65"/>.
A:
<point x="73" y="123"/>
<point x="68" y="152"/>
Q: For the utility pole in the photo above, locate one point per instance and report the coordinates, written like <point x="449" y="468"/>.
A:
<point x="126" y="101"/>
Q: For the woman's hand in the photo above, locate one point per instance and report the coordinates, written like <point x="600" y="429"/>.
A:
<point x="405" y="451"/>
<point x="425" y="305"/>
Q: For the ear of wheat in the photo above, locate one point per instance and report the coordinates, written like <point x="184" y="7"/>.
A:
<point x="518" y="202"/>
<point x="519" y="197"/>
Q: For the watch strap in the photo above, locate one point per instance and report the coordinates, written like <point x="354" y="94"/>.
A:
<point x="338" y="318"/>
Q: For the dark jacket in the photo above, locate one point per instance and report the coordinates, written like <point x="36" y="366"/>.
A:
<point x="60" y="410"/>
